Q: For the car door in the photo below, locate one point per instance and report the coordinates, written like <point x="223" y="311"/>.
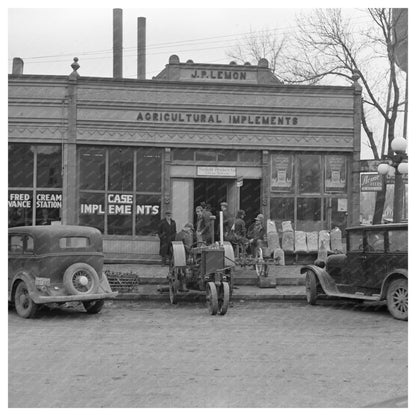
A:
<point x="20" y="247"/>
<point x="374" y="262"/>
<point x="353" y="273"/>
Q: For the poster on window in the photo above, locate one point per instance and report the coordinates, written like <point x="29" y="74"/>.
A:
<point x="282" y="173"/>
<point x="335" y="173"/>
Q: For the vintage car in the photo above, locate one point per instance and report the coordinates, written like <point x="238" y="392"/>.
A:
<point x="56" y="264"/>
<point x="373" y="269"/>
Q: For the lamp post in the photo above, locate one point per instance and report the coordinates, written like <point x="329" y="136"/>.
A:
<point x="396" y="166"/>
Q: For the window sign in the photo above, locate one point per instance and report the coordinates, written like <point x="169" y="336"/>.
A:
<point x="335" y="173"/>
<point x="48" y="207"/>
<point x="282" y="173"/>
<point x="20" y="206"/>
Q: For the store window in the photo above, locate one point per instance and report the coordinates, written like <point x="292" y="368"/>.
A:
<point x="21" y="159"/>
<point x="147" y="214"/>
<point x="206" y="155"/>
<point x="149" y="170"/>
<point x="120" y="170"/>
<point x="20" y="208"/>
<point x="308" y="214"/>
<point x="49" y="165"/>
<point x="227" y="155"/>
<point x="282" y="209"/>
<point x="129" y="204"/>
<point x="48" y="207"/>
<point x="33" y="201"/>
<point x="92" y="168"/>
<point x="92" y="210"/>
<point x="309" y="173"/>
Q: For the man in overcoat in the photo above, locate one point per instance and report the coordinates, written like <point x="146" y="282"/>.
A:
<point x="167" y="234"/>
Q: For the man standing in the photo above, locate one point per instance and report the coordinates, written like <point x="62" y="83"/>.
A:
<point x="203" y="224"/>
<point x="167" y="234"/>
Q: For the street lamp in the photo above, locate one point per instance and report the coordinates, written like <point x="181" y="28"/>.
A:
<point x="396" y="166"/>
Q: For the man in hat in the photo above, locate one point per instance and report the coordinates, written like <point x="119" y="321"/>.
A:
<point x="167" y="234"/>
<point x="256" y="232"/>
<point x="186" y="235"/>
<point x="227" y="219"/>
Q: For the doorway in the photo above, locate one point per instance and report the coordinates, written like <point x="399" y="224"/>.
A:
<point x="210" y="191"/>
<point x="250" y="199"/>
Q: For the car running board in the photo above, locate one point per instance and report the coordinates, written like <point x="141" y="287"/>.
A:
<point x="356" y="295"/>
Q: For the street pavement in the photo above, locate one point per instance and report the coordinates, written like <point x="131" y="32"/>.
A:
<point x="260" y="354"/>
<point x="149" y="282"/>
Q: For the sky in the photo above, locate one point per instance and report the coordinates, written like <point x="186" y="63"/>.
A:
<point x="47" y="39"/>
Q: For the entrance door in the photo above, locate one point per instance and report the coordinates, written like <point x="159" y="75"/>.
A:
<point x="250" y="199"/>
<point x="210" y="191"/>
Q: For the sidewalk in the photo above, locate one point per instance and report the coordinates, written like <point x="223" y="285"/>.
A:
<point x="149" y="282"/>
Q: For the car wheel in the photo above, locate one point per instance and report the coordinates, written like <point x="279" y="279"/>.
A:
<point x="23" y="303"/>
<point x="93" y="306"/>
<point x="397" y="299"/>
<point x="80" y="279"/>
<point x="311" y="287"/>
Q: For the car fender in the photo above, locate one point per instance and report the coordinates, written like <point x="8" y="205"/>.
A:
<point x="29" y="279"/>
<point x="325" y="280"/>
<point x="392" y="275"/>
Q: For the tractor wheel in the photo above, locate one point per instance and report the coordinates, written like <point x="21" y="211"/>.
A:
<point x="212" y="298"/>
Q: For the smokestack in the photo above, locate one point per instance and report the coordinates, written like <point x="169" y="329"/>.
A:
<point x="17" y="66"/>
<point x="117" y="43"/>
<point x="141" y="48"/>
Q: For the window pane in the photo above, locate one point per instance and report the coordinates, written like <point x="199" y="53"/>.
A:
<point x="398" y="240"/>
<point x="308" y="214"/>
<point x="147" y="214"/>
<point x="183" y="154"/>
<point x="282" y="209"/>
<point x="92" y="210"/>
<point x="227" y="155"/>
<point x="355" y="241"/>
<point x="121" y="169"/>
<point x="149" y="170"/>
<point x="49" y="161"/>
<point x="74" y="242"/>
<point x="120" y="214"/>
<point x="92" y="168"/>
<point x="20" y="208"/>
<point x="375" y="241"/>
<point x="249" y="156"/>
<point x="206" y="155"/>
<point x="21" y="165"/>
<point x="48" y="207"/>
<point x="309" y="173"/>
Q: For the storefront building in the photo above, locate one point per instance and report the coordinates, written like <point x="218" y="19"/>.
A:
<point x="117" y="153"/>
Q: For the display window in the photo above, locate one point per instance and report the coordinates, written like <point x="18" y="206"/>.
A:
<point x="49" y="167"/>
<point x="309" y="173"/>
<point x="21" y="161"/>
<point x="129" y="204"/>
<point x="120" y="169"/>
<point x="35" y="184"/>
<point x="92" y="210"/>
<point x="282" y="209"/>
<point x="147" y="214"/>
<point x="20" y="206"/>
<point x="149" y="170"/>
<point x="92" y="168"/>
<point x="308" y="211"/>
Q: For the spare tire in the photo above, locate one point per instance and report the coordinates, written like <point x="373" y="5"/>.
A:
<point x="81" y="279"/>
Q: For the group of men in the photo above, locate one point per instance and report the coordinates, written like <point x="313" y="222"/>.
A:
<point x="234" y="230"/>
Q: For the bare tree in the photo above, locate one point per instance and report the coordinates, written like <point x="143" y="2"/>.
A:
<point x="258" y="45"/>
<point x="328" y="47"/>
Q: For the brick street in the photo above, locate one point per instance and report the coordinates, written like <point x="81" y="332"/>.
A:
<point x="260" y="354"/>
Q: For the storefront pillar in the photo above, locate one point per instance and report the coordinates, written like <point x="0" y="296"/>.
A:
<point x="265" y="184"/>
<point x="167" y="162"/>
<point x="69" y="182"/>
<point x="354" y="185"/>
